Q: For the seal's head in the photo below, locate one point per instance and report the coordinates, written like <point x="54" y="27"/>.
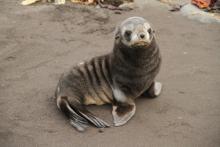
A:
<point x="134" y="31"/>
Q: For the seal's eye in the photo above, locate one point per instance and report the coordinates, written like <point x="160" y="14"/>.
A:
<point x="128" y="35"/>
<point x="149" y="31"/>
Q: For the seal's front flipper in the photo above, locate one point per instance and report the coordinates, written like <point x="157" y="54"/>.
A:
<point x="122" y="113"/>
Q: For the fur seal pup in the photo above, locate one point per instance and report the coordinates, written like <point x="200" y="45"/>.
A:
<point x="117" y="78"/>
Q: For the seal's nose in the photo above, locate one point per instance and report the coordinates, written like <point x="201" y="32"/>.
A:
<point x="142" y="36"/>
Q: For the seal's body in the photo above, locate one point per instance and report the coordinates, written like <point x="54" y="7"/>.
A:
<point x="117" y="78"/>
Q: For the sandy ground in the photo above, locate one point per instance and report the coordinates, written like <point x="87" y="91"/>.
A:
<point x="38" y="43"/>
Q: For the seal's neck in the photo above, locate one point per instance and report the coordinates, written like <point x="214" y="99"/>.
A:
<point x="136" y="56"/>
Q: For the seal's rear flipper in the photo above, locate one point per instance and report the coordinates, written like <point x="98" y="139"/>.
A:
<point x="123" y="113"/>
<point x="78" y="115"/>
<point x="99" y="123"/>
<point x="154" y="90"/>
<point x="76" y="120"/>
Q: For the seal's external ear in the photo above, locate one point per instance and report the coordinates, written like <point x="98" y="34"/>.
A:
<point x="117" y="33"/>
<point x="153" y="31"/>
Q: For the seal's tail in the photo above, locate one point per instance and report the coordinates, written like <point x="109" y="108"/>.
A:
<point x="79" y="117"/>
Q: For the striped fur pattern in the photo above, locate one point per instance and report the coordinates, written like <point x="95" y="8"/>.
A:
<point x="117" y="78"/>
<point x="138" y="64"/>
<point x="89" y="82"/>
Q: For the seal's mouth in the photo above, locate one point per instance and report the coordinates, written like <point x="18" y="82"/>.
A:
<point x="140" y="44"/>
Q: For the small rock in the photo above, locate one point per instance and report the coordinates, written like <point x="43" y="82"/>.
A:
<point x="101" y="130"/>
<point x="181" y="92"/>
<point x="117" y="12"/>
<point x="10" y="58"/>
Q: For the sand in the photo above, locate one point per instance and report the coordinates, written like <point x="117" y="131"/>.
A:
<point x="38" y="43"/>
